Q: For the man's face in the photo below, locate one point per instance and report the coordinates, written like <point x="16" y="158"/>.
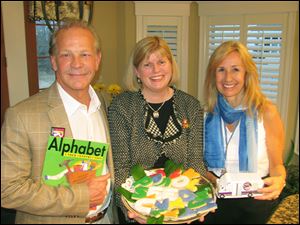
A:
<point x="76" y="61"/>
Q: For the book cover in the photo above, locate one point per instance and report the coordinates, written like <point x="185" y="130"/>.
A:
<point x="70" y="161"/>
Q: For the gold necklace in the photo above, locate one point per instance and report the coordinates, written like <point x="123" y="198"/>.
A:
<point x="156" y="112"/>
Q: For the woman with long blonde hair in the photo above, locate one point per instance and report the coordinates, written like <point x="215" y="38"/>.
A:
<point x="243" y="133"/>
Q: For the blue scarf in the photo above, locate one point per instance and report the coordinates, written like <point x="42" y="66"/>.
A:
<point x="214" y="154"/>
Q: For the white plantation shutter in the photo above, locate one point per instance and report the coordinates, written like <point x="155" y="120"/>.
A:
<point x="168" y="33"/>
<point x="264" y="42"/>
<point x="221" y="33"/>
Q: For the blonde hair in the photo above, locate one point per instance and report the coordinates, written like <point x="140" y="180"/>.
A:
<point x="142" y="50"/>
<point x="253" y="99"/>
<point x="70" y="23"/>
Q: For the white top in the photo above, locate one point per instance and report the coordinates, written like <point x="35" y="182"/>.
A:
<point x="232" y="158"/>
<point x="86" y="124"/>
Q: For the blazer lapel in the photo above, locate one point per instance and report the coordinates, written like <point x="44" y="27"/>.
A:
<point x="57" y="113"/>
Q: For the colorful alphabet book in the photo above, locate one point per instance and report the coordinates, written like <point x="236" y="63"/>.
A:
<point x="70" y="161"/>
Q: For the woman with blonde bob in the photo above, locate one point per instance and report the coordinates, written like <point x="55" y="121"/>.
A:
<point x="153" y="121"/>
<point x="141" y="51"/>
<point x="243" y="133"/>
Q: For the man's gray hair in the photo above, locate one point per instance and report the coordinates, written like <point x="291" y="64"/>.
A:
<point x="70" y="23"/>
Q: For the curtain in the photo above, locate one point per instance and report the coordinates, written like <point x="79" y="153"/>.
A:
<point x="56" y="11"/>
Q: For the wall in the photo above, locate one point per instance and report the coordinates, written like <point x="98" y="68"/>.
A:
<point x="115" y="24"/>
<point x="294" y="93"/>
<point x="105" y="23"/>
<point x="14" y="39"/>
<point x="193" y="51"/>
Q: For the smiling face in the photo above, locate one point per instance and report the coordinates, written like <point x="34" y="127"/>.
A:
<point x="76" y="60"/>
<point x="230" y="78"/>
<point x="155" y="73"/>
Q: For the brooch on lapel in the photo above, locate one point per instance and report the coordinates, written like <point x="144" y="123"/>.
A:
<point x="185" y="124"/>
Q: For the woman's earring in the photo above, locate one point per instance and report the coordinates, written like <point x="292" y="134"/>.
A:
<point x="138" y="80"/>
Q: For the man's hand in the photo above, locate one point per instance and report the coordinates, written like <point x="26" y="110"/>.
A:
<point x="97" y="189"/>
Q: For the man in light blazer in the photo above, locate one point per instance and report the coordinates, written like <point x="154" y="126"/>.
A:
<point x="71" y="105"/>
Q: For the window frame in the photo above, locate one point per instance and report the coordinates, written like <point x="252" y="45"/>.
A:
<point x="31" y="52"/>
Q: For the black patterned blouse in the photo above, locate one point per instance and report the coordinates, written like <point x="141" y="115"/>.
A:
<point x="137" y="139"/>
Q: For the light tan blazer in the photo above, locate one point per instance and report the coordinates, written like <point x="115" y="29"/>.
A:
<point x="24" y="137"/>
